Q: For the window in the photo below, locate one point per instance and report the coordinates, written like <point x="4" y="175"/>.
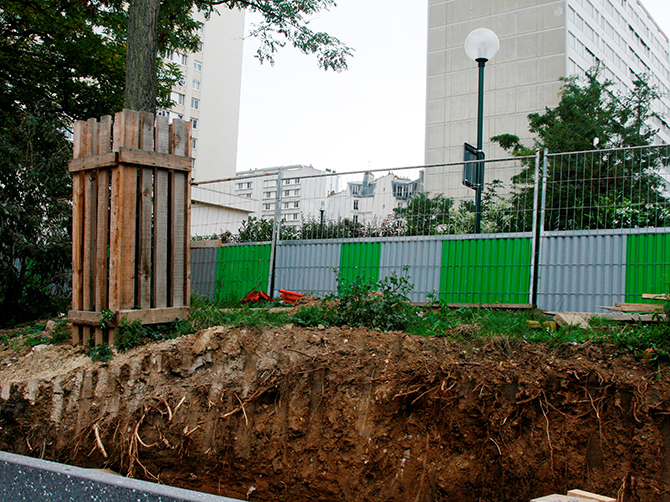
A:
<point x="355" y="218"/>
<point x="196" y="85"/>
<point x="287" y="193"/>
<point x="183" y="59"/>
<point x="199" y="46"/>
<point x="246" y="185"/>
<point x="197" y="65"/>
<point x="296" y="204"/>
<point x="194" y="143"/>
<point x="270" y="183"/>
<point x="355" y="205"/>
<point x="194" y="123"/>
<point x="269" y="195"/>
<point x="295" y="216"/>
<point x="354" y="189"/>
<point x="178" y="98"/>
<point x="195" y="103"/>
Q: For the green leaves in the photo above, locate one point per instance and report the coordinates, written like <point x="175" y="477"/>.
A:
<point x="287" y="22"/>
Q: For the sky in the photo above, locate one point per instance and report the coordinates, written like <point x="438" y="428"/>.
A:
<point x="371" y="116"/>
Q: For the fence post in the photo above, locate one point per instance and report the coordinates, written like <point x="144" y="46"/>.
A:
<point x="130" y="223"/>
<point x="276" y="234"/>
<point x="535" y="242"/>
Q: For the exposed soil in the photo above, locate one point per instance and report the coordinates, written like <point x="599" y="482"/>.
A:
<point x="293" y="414"/>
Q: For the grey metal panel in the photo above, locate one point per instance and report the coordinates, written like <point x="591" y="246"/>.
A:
<point x="424" y="259"/>
<point x="203" y="271"/>
<point x="307" y="267"/>
<point x="579" y="272"/>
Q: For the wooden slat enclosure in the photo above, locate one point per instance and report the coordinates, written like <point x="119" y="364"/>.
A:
<point x="130" y="223"/>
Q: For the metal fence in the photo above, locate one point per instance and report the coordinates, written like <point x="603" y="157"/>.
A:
<point x="569" y="231"/>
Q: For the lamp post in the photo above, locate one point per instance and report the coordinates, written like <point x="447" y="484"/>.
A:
<point x="480" y="45"/>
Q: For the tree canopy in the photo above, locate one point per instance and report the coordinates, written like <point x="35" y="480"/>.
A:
<point x="593" y="190"/>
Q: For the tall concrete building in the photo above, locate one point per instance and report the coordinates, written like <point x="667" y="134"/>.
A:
<point x="209" y="93"/>
<point x="540" y="41"/>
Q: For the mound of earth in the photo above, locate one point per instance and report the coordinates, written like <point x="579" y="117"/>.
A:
<point x="291" y="414"/>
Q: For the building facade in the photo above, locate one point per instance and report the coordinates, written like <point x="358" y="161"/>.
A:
<point x="540" y="41"/>
<point x="209" y="94"/>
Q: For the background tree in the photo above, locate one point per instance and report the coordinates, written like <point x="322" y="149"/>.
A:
<point x="424" y="215"/>
<point x="590" y="116"/>
<point x="283" y="22"/>
<point x="66" y="60"/>
<point x="35" y="218"/>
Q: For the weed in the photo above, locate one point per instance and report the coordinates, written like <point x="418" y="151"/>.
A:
<point x="107" y="318"/>
<point x="102" y="353"/>
<point x="129" y="334"/>
<point x="61" y="333"/>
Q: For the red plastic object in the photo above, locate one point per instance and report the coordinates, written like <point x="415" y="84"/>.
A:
<point x="255" y="297"/>
<point x="289" y="296"/>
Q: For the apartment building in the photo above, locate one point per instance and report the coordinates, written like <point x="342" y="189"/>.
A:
<point x="540" y="41"/>
<point x="209" y="94"/>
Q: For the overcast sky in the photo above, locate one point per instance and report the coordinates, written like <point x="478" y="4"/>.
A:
<point x="369" y="117"/>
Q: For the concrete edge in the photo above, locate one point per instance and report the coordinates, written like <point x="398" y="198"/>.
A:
<point x="111" y="479"/>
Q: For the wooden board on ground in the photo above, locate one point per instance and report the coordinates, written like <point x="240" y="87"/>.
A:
<point x="581" y="319"/>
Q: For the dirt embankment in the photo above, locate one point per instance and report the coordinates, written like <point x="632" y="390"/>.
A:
<point x="337" y="414"/>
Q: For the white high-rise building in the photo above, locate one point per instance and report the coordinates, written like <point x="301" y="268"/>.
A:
<point x="209" y="94"/>
<point x="540" y="41"/>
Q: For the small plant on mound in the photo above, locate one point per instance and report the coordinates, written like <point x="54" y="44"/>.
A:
<point x="382" y="305"/>
<point x="129" y="334"/>
<point x="102" y="353"/>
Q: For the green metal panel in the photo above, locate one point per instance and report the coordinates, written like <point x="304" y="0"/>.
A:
<point x="647" y="265"/>
<point x="485" y="270"/>
<point x="360" y="258"/>
<point x="240" y="270"/>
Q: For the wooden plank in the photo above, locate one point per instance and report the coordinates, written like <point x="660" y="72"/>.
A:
<point x="147" y="131"/>
<point x="145" y="212"/>
<point x="109" y="159"/>
<point x="208" y="243"/>
<point x="105" y="135"/>
<point x="118" y="139"/>
<point x="78" y="208"/>
<point x="79" y="144"/>
<point x="132" y="132"/>
<point x="84" y="317"/>
<point x="122" y="241"/>
<point x="651" y="296"/>
<point x="153" y="159"/>
<point x="160" y="258"/>
<point x="590" y="496"/>
<point x="162" y="135"/>
<point x="97" y="335"/>
<point x="147" y="316"/>
<point x="153" y="316"/>
<point x="188" y="143"/>
<point x="102" y="241"/>
<point x="187" y="240"/>
<point x="178" y="137"/>
<point x="638" y="307"/>
<point x="77" y="338"/>
<point x="89" y="229"/>
<point x="77" y="239"/>
<point x="178" y="239"/>
<point x="572" y="318"/>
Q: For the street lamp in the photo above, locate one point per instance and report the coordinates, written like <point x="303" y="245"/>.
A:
<point x="480" y="45"/>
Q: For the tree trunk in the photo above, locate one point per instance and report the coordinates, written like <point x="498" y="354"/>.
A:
<point x="141" y="52"/>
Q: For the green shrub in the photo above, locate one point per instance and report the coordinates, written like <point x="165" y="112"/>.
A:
<point x="102" y="353"/>
<point x="129" y="334"/>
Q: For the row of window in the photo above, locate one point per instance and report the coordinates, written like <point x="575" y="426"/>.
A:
<point x="615" y="35"/>
<point x="285" y="193"/>
<point x="248" y="185"/>
<point x="179" y="99"/>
